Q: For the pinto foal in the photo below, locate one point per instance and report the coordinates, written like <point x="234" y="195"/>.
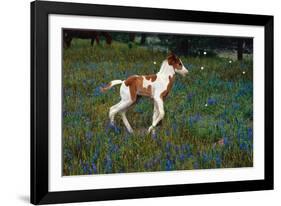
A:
<point x="155" y="86"/>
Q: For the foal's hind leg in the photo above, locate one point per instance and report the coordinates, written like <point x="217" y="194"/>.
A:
<point x="126" y="122"/>
<point x="122" y="105"/>
<point x="112" y="112"/>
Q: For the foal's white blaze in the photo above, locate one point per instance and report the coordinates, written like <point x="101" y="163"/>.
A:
<point x="183" y="71"/>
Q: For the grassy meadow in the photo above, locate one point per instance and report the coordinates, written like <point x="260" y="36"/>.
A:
<point x="208" y="121"/>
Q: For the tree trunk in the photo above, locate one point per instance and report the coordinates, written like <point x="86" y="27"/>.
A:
<point x="143" y="38"/>
<point x="132" y="37"/>
<point x="240" y="49"/>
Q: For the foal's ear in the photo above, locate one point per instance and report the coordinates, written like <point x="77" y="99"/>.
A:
<point x="172" y="58"/>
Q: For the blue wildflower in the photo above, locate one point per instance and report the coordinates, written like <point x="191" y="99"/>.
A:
<point x="175" y="126"/>
<point x="177" y="149"/>
<point x="211" y="101"/>
<point x="194" y="119"/>
<point x="218" y="161"/>
<point x="113" y="127"/>
<point x="157" y="159"/>
<point x="250" y="133"/>
<point x="225" y="141"/>
<point x="167" y="132"/>
<point x="168" y="166"/>
<point x="108" y="164"/>
<point x="195" y="165"/>
<point x="182" y="157"/>
<point x="190" y="96"/>
<point x="148" y="165"/>
<point x="243" y="146"/>
<point x="94" y="167"/>
<point x="89" y="135"/>
<point x="154" y="135"/>
<point x="205" y="157"/>
<point x="168" y="146"/>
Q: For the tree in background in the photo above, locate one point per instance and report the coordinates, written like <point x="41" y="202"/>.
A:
<point x="196" y="45"/>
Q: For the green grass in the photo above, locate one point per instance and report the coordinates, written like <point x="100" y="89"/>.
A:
<point x="207" y="106"/>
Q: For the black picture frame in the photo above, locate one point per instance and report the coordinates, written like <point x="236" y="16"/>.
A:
<point x="39" y="102"/>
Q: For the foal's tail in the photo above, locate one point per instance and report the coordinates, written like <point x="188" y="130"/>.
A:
<point x="110" y="84"/>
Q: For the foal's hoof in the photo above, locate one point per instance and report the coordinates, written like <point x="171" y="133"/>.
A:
<point x="130" y="131"/>
<point x="150" y="129"/>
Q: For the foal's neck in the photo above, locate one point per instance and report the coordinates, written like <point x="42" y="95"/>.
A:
<point x="166" y="71"/>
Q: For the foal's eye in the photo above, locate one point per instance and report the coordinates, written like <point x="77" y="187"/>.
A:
<point x="180" y="64"/>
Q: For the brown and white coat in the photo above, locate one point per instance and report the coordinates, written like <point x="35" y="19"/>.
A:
<point x="155" y="86"/>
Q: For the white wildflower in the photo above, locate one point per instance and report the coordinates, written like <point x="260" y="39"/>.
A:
<point x="202" y="68"/>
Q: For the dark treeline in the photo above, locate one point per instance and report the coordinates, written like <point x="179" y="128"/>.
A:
<point x="190" y="45"/>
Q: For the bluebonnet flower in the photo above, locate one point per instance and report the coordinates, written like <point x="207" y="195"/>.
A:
<point x="218" y="161"/>
<point x="189" y="66"/>
<point x="115" y="148"/>
<point x="182" y="157"/>
<point x="189" y="154"/>
<point x="108" y="164"/>
<point x="156" y="159"/>
<point x="97" y="91"/>
<point x="195" y="165"/>
<point x="154" y="135"/>
<point x="168" y="146"/>
<point x="96" y="155"/>
<point x="94" y="167"/>
<point x="187" y="147"/>
<point x="235" y="106"/>
<point x="250" y="133"/>
<point x="138" y="110"/>
<point x="148" y="165"/>
<point x="177" y="149"/>
<point x="175" y="126"/>
<point x="240" y="133"/>
<point x="242" y="65"/>
<point x="205" y="157"/>
<point x="89" y="135"/>
<point x="167" y="132"/>
<point x="84" y="82"/>
<point x="194" y="119"/>
<point x="85" y="170"/>
<point x="168" y="166"/>
<point x="190" y="96"/>
<point x="243" y="146"/>
<point x="113" y="127"/>
<point x="225" y="140"/>
<point x="211" y="101"/>
<point x="68" y="154"/>
<point x="92" y="66"/>
<point x="229" y="85"/>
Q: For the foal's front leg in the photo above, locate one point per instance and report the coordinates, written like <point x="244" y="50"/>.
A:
<point x="155" y="115"/>
<point x="160" y="116"/>
<point x="155" y="112"/>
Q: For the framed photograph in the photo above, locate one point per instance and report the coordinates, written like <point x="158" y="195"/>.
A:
<point x="131" y="102"/>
